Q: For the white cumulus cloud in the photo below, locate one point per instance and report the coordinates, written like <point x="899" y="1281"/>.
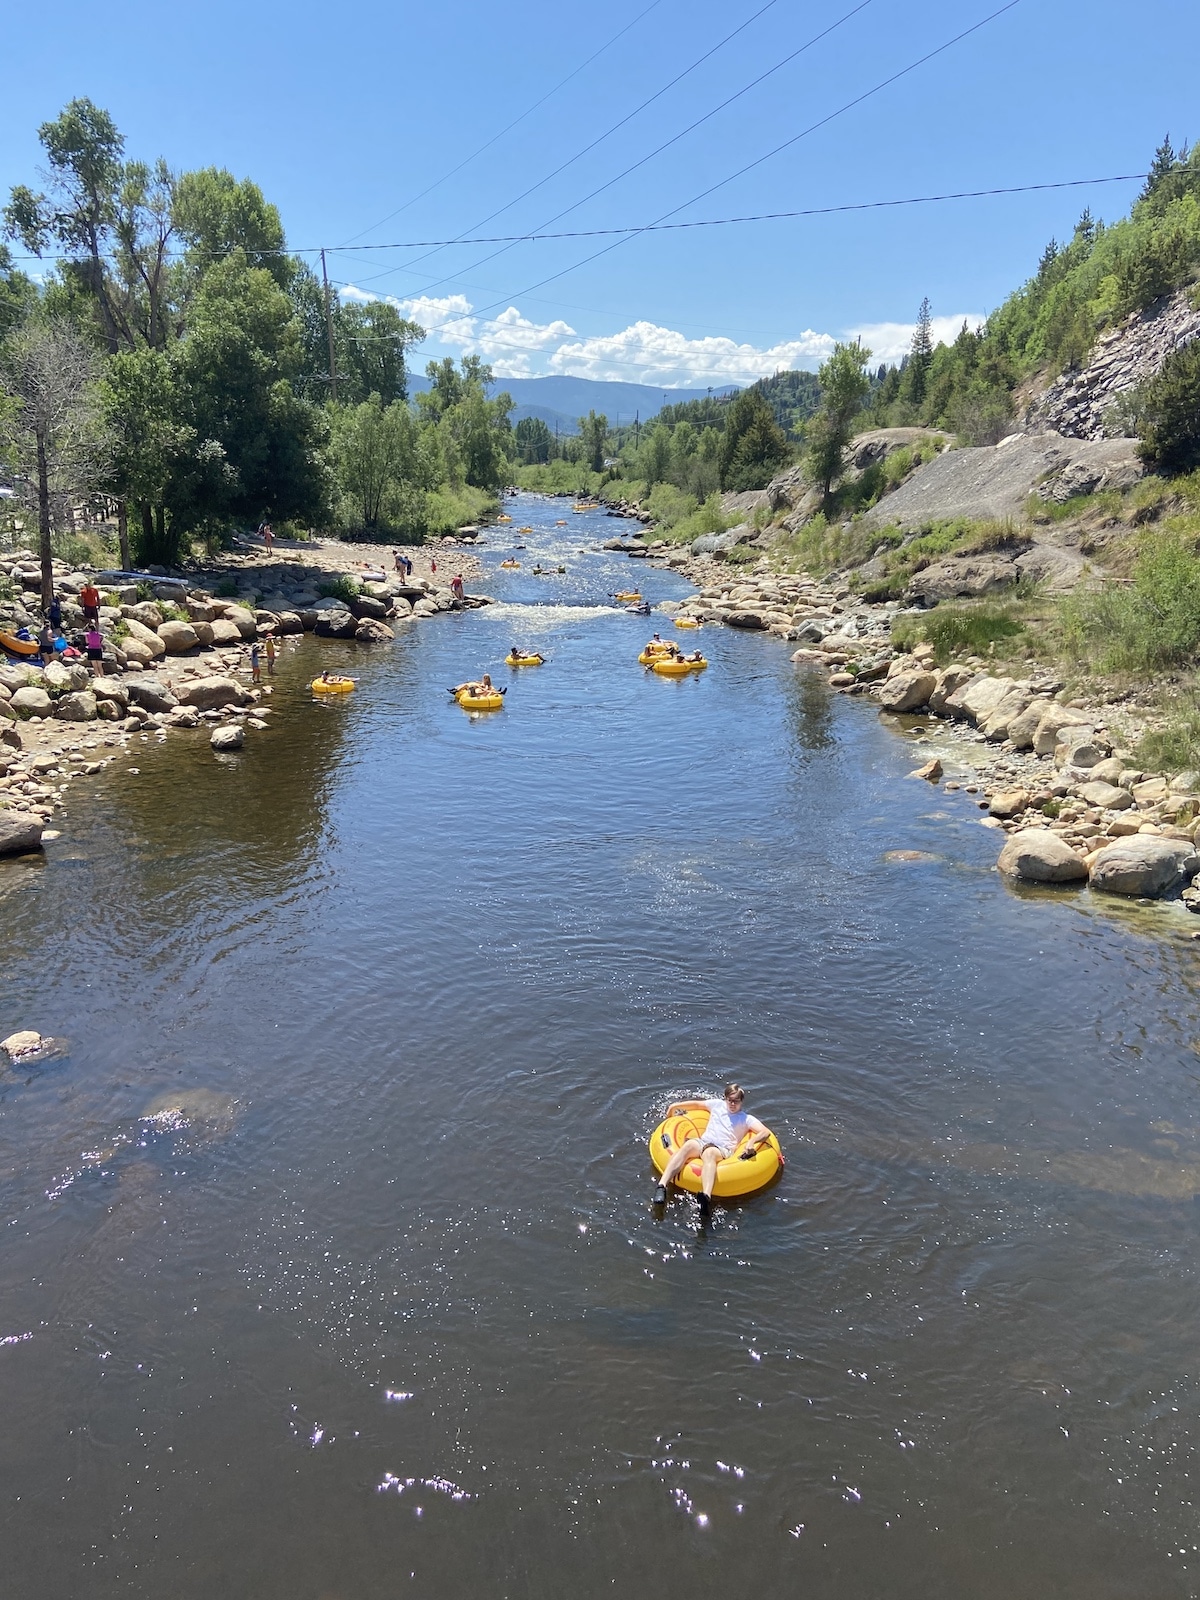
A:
<point x="644" y="352"/>
<point x="889" y="341"/>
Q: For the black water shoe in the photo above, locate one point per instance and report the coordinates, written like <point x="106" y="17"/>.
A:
<point x="660" y="1195"/>
<point x="705" y="1206"/>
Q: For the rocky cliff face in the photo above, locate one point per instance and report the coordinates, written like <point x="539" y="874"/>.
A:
<point x="1079" y="404"/>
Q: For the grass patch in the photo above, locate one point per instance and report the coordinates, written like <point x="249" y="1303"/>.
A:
<point x="1174" y="748"/>
<point x="959" y="630"/>
<point x="1109" y="503"/>
<point x="227" y="588"/>
<point x="699" y="521"/>
<point x="93" y="548"/>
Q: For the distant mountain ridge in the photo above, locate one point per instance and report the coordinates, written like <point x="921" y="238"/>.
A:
<point x="561" y="400"/>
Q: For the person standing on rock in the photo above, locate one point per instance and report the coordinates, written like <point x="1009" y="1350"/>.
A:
<point x="46" y="644"/>
<point x="270" y="655"/>
<point x="94" y="643"/>
<point x="268" y="534"/>
<point x="456" y="587"/>
<point x="89" y="599"/>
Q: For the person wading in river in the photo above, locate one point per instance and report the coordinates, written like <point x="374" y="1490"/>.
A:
<point x="727" y="1123"/>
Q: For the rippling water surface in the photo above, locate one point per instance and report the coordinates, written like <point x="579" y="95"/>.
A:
<point x="328" y="1263"/>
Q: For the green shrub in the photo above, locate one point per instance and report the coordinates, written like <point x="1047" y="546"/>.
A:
<point x="226" y="588"/>
<point x="447" y="510"/>
<point x="1149" y="623"/>
<point x="342" y="587"/>
<point x="1039" y="510"/>
<point x="958" y="630"/>
<point x="705" y="519"/>
<point x="145" y="590"/>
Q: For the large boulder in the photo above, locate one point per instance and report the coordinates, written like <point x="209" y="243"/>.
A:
<point x="139" y="634"/>
<point x="210" y="694"/>
<point x="337" y="625"/>
<point x="950" y="681"/>
<point x="962" y="577"/>
<point x="1054" y="720"/>
<point x="978" y="699"/>
<point x="1024" y="725"/>
<point x="144" y="612"/>
<point x="1036" y="855"/>
<point x="745" y="618"/>
<point x="59" y="676"/>
<point x="134" y="650"/>
<point x="996" y="724"/>
<point x="1143" y="864"/>
<point x="243" y="621"/>
<point x="225" y="632"/>
<point x="1108" y="796"/>
<point x="32" y="702"/>
<point x="290" y="622"/>
<point x="179" y="637"/>
<point x="110" y="689"/>
<point x="364" y="605"/>
<point x="77" y="707"/>
<point x="908" y="691"/>
<point x="19" y="833"/>
<point x="230" y="737"/>
<point x="369" y="631"/>
<point x="147" y="689"/>
<point x="1009" y="803"/>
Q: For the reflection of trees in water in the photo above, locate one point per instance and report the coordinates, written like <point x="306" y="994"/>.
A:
<point x="810" y="708"/>
<point x="258" y="812"/>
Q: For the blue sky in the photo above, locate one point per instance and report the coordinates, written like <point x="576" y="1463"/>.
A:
<point x="343" y="118"/>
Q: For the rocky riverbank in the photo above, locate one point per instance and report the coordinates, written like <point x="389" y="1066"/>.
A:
<point x="177" y="655"/>
<point x="1052" y="770"/>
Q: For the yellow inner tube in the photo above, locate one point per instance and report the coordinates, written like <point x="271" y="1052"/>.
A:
<point x="679" y="669"/>
<point x="627" y="595"/>
<point x="648" y="657"/>
<point x="510" y="563"/>
<point x="503" y="518"/>
<point x="524" y="661"/>
<point x="481" y="702"/>
<point x="334" y="686"/>
<point x="734" y="1176"/>
<point x="686" y="622"/>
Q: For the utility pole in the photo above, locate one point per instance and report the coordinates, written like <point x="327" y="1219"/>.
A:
<point x="329" y="331"/>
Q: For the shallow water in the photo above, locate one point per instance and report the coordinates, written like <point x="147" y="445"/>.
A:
<point x="329" y="1268"/>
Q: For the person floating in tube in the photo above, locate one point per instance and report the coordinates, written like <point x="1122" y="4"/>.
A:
<point x="727" y="1124"/>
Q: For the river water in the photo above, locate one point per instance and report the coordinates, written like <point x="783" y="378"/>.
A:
<point x="328" y="1263"/>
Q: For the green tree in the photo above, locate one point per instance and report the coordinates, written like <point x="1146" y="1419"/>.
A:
<point x="372" y="342"/>
<point x="381" y="468"/>
<point x="1170" y="414"/>
<point x="533" y="440"/>
<point x="915" y="377"/>
<point x="754" y="447"/>
<point x="593" y="431"/>
<point x="844" y="386"/>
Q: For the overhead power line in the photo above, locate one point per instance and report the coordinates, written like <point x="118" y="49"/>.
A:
<point x="675" y="138"/>
<point x="822" y="122"/>
<point x="528" y="112"/>
<point x="621" y="122"/>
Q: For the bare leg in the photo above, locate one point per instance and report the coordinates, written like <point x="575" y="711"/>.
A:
<point x="686" y="1152"/>
<point x="712" y="1159"/>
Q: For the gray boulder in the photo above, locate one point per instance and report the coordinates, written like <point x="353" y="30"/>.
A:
<point x="147" y="690"/>
<point x="1144" y="864"/>
<point x="224" y="632"/>
<point x="1109" y="796"/>
<point x="337" y="624"/>
<point x="19" y="833"/>
<point x="228" y="737"/>
<point x="1036" y="855"/>
<point x="364" y="605"/>
<point x="210" y="694"/>
<point x="110" y="689"/>
<point x="1054" y="720"/>
<point x="77" y="707"/>
<point x="32" y="702"/>
<point x="179" y="637"/>
<point x="745" y="619"/>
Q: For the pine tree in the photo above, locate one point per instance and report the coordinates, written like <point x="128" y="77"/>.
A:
<point x="916" y="372"/>
<point x="1160" y="168"/>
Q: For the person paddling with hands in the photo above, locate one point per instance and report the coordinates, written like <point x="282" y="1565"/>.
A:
<point x="728" y="1124"/>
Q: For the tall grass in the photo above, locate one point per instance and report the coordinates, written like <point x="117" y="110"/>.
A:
<point x="959" y="630"/>
<point x="1149" y="623"/>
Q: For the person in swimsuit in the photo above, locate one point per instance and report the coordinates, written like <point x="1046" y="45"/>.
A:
<point x="727" y="1125"/>
<point x="94" y="642"/>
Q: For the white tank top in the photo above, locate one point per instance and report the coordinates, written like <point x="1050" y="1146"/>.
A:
<point x="725" y="1127"/>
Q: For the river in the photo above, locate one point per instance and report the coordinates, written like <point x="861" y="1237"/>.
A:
<point x="386" y="1310"/>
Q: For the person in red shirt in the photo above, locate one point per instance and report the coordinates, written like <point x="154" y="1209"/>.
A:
<point x="89" y="599"/>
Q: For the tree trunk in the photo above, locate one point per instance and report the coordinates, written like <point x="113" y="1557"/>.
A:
<point x="123" y="534"/>
<point x="160" y="536"/>
<point x="46" y="553"/>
